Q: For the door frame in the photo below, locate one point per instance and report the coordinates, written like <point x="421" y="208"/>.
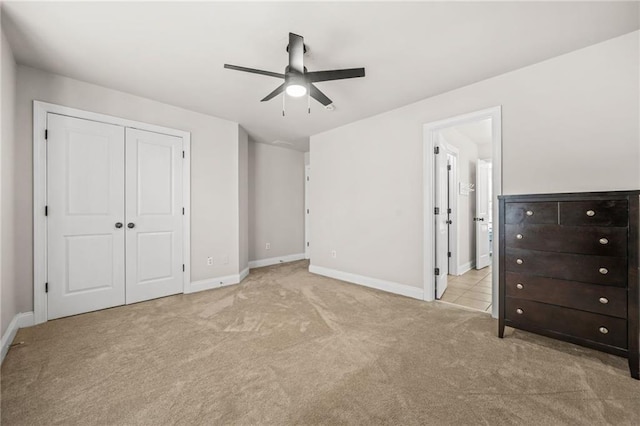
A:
<point x="429" y="133"/>
<point x="40" y="111"/>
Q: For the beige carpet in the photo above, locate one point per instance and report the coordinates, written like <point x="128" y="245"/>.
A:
<point x="288" y="347"/>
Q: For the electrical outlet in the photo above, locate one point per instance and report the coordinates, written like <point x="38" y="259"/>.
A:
<point x="333" y="253"/>
<point x="268" y="246"/>
<point x="209" y="261"/>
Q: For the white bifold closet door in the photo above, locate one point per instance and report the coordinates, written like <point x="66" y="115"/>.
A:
<point x="114" y="231"/>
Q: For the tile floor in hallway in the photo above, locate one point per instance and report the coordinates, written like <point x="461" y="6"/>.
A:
<point x="472" y="289"/>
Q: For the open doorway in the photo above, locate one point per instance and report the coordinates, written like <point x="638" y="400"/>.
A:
<point x="463" y="187"/>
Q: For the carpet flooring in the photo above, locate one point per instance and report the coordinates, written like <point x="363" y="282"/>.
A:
<point x="289" y="347"/>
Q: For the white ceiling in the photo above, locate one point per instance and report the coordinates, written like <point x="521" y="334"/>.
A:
<point x="174" y="52"/>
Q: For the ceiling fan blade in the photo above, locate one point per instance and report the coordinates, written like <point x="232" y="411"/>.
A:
<point x="316" y="94"/>
<point x="296" y="53"/>
<point x="254" y="71"/>
<point x="275" y="93"/>
<point x="315" y="76"/>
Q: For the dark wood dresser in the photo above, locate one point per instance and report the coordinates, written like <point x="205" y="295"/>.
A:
<point x="569" y="267"/>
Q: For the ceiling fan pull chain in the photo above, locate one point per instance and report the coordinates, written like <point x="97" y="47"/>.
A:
<point x="283" y="104"/>
<point x="308" y="101"/>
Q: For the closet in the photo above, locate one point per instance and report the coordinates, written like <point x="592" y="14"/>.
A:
<point x="114" y="215"/>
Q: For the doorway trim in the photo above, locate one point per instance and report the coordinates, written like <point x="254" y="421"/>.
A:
<point x="307" y="212"/>
<point x="40" y="111"/>
<point x="430" y="130"/>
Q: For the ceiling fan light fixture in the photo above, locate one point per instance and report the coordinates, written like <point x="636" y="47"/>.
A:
<point x="296" y="90"/>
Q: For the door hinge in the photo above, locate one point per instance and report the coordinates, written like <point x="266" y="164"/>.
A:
<point x="182" y="154"/>
<point x="183" y="211"/>
<point x="436" y="210"/>
<point x="437" y="271"/>
<point x="307" y="211"/>
<point x="46" y="210"/>
<point x="307" y="178"/>
<point x="46" y="287"/>
<point x="448" y="166"/>
<point x="436" y="150"/>
<point x="449" y="254"/>
<point x="448" y="210"/>
<point x="307" y="244"/>
<point x="46" y="134"/>
<point x="183" y="267"/>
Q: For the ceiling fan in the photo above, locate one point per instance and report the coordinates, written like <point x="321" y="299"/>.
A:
<point x="297" y="80"/>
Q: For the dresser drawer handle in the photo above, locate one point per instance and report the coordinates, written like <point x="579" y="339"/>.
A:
<point x="603" y="330"/>
<point x="519" y="261"/>
<point x="604" y="300"/>
<point x="604" y="241"/>
<point x="519" y="236"/>
<point x="591" y="213"/>
<point x="603" y="271"/>
<point x="519" y="311"/>
<point x="529" y="212"/>
<point x="519" y="286"/>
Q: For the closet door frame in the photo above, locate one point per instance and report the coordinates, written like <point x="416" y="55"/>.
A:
<point x="40" y="112"/>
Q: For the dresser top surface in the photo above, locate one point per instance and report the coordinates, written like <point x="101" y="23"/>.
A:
<point x="568" y="196"/>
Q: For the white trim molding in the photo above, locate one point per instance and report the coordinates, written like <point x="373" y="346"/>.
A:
<point x="275" y="260"/>
<point x="211" y="283"/>
<point x="40" y="112"/>
<point x="244" y="274"/>
<point x="388" y="286"/>
<point x="22" y="320"/>
<point x="466" y="267"/>
<point x="430" y="131"/>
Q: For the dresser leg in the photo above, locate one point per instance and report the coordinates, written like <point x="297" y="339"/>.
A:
<point x="501" y="328"/>
<point x="634" y="366"/>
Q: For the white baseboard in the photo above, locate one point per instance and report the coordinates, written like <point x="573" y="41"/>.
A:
<point x="388" y="286"/>
<point x="466" y="267"/>
<point x="244" y="273"/>
<point x="210" y="283"/>
<point x="21" y="320"/>
<point x="275" y="260"/>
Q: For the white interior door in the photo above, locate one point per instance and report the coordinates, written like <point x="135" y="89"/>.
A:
<point x="307" y="227"/>
<point x="441" y="226"/>
<point x="154" y="215"/>
<point x="483" y="246"/>
<point x="85" y="176"/>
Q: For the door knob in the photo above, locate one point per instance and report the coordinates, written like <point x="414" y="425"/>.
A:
<point x="131" y="225"/>
<point x="118" y="225"/>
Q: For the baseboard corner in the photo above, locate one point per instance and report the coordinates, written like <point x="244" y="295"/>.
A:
<point x="21" y="320"/>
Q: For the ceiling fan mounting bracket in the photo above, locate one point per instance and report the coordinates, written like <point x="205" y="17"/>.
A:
<point x="304" y="46"/>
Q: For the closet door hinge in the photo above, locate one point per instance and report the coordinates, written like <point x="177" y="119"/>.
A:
<point x="449" y="254"/>
<point x="437" y="271"/>
<point x="46" y="134"/>
<point x="436" y="210"/>
<point x="46" y="210"/>
<point x="448" y="166"/>
<point x="182" y="154"/>
<point x="436" y="150"/>
<point x="46" y="287"/>
<point x="183" y="211"/>
<point x="183" y="267"/>
<point x="307" y="244"/>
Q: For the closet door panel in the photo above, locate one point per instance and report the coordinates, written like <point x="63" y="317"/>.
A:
<point x="153" y="215"/>
<point x="85" y="198"/>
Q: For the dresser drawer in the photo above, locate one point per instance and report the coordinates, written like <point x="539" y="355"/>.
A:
<point x="603" y="270"/>
<point x="533" y="212"/>
<point x="600" y="299"/>
<point x="594" y="213"/>
<point x="598" y="328"/>
<point x="602" y="240"/>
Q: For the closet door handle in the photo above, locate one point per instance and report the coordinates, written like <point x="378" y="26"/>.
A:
<point x="131" y="225"/>
<point x="118" y="225"/>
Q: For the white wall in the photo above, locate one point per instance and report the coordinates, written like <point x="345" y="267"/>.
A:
<point x="276" y="201"/>
<point x="214" y="170"/>
<point x="11" y="301"/>
<point x="467" y="160"/>
<point x="568" y="124"/>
